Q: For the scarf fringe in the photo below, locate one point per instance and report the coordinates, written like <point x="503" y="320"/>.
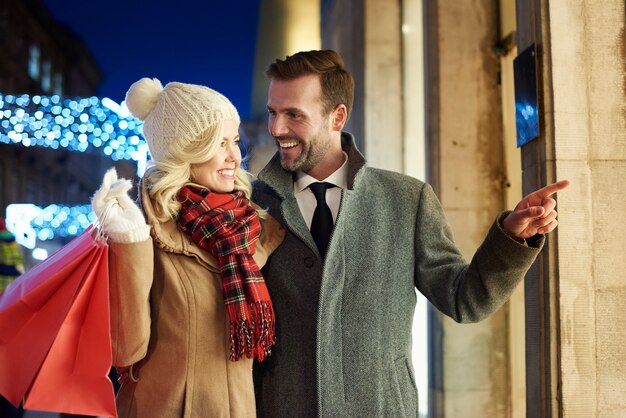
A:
<point x="228" y="227"/>
<point x="249" y="340"/>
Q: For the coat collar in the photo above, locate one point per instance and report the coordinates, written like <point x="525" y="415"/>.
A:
<point x="168" y="236"/>
<point x="281" y="180"/>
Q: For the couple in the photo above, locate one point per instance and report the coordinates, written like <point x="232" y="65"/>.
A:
<point x="328" y="323"/>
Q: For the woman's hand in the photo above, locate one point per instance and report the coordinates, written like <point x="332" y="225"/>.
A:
<point x="120" y="219"/>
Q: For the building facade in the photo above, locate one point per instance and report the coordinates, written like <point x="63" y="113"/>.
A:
<point x="42" y="58"/>
<point x="435" y="98"/>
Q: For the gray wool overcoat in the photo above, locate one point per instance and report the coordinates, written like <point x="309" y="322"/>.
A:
<point x="344" y="325"/>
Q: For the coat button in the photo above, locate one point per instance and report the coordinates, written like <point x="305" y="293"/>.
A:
<point x="309" y="262"/>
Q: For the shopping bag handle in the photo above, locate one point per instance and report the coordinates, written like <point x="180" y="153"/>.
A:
<point x="100" y="235"/>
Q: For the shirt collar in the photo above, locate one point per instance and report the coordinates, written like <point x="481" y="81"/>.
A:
<point x="339" y="177"/>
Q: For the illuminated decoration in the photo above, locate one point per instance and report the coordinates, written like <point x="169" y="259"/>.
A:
<point x="40" y="254"/>
<point x="82" y="124"/>
<point x="30" y="223"/>
<point x="90" y="125"/>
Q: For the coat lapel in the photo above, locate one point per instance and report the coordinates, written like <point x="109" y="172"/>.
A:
<point x="295" y="222"/>
<point x="281" y="181"/>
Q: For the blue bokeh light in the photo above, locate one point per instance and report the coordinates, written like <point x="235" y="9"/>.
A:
<point x="92" y="125"/>
<point x="81" y="124"/>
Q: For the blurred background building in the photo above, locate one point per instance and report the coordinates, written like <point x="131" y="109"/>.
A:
<point x="436" y="99"/>
<point x="43" y="58"/>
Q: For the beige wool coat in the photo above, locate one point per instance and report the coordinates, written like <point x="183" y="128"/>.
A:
<point x="168" y="322"/>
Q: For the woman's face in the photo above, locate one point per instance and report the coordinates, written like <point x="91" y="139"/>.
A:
<point x="218" y="173"/>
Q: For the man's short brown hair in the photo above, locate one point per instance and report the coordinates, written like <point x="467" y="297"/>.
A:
<point x="337" y="83"/>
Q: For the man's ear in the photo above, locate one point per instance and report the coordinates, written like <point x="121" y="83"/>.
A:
<point x="339" y="117"/>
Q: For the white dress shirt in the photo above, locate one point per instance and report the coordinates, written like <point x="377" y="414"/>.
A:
<point x="306" y="198"/>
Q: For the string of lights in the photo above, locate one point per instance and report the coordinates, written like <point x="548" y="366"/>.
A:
<point x="90" y="125"/>
<point x="81" y="124"/>
<point x="30" y="223"/>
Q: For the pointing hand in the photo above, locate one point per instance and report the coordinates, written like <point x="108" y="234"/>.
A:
<point x="535" y="213"/>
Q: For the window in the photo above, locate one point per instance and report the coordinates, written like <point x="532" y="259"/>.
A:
<point x="46" y="74"/>
<point x="57" y="84"/>
<point x="33" y="62"/>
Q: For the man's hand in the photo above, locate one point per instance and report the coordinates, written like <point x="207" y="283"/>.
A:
<point x="535" y="213"/>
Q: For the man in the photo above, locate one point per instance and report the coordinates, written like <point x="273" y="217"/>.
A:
<point x="343" y="319"/>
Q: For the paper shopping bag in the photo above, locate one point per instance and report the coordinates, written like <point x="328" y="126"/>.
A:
<point x="36" y="312"/>
<point x="80" y="357"/>
<point x="32" y="309"/>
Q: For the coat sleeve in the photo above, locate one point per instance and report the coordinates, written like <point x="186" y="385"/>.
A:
<point x="272" y="235"/>
<point x="130" y="275"/>
<point x="466" y="292"/>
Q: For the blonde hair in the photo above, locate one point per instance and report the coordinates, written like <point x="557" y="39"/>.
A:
<point x="165" y="178"/>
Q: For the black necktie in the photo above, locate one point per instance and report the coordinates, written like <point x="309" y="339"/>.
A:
<point x="322" y="223"/>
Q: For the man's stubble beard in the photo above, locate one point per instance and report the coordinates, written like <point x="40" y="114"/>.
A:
<point x="310" y="156"/>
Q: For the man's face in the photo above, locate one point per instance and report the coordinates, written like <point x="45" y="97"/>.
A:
<point x="297" y="122"/>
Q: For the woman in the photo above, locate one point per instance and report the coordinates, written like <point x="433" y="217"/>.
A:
<point x="189" y="307"/>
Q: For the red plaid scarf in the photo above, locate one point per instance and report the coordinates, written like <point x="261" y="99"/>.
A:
<point x="228" y="227"/>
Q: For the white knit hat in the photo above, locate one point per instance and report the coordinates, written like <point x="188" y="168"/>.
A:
<point x="177" y="114"/>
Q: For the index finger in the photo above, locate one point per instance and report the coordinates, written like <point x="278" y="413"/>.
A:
<point x="551" y="188"/>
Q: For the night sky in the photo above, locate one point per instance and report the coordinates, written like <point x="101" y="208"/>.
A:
<point x="203" y="42"/>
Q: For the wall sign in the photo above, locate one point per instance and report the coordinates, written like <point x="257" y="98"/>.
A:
<point x="526" y="109"/>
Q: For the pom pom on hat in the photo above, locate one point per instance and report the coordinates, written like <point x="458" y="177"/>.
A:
<point x="142" y="97"/>
<point x="176" y="115"/>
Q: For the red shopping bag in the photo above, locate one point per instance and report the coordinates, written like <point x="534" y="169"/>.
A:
<point x="55" y="348"/>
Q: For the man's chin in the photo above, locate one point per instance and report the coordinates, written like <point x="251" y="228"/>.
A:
<point x="288" y="164"/>
<point x="299" y="163"/>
